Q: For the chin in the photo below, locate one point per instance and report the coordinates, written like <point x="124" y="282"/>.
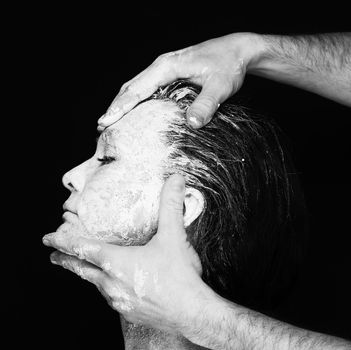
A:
<point x="74" y="229"/>
<point x="126" y="237"/>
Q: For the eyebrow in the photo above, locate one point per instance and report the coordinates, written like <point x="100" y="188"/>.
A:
<point x="106" y="137"/>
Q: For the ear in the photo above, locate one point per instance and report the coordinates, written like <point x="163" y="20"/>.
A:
<point x="193" y="205"/>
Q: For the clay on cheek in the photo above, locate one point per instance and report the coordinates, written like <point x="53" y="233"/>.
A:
<point x="138" y="217"/>
<point x="120" y="211"/>
<point x="120" y="202"/>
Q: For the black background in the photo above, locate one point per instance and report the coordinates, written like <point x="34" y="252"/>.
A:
<point x="67" y="66"/>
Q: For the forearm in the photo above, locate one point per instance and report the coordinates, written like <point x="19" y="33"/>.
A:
<point x="319" y="63"/>
<point x="220" y="324"/>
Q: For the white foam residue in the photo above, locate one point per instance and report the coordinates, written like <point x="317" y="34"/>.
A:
<point x="121" y="299"/>
<point x="139" y="281"/>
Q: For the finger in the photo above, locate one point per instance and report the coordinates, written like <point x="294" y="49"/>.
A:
<point x="81" y="268"/>
<point x="159" y="73"/>
<point x="93" y="251"/>
<point x="171" y="206"/>
<point x="214" y="92"/>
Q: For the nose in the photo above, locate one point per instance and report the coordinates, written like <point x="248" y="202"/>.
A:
<point x="74" y="180"/>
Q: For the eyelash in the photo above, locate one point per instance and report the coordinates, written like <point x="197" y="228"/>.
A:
<point x="106" y="160"/>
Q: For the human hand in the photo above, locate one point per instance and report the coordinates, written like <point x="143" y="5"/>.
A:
<point x="156" y="284"/>
<point x="218" y="65"/>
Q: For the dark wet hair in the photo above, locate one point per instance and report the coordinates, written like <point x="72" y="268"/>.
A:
<point x="251" y="233"/>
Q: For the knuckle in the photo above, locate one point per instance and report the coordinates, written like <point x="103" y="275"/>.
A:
<point x="105" y="286"/>
<point x="165" y="57"/>
<point x="128" y="88"/>
<point x="80" y="270"/>
<point x="66" y="263"/>
<point x="101" y="288"/>
<point x="208" y="102"/>
<point x="78" y="250"/>
<point x="124" y="87"/>
<point x="161" y="58"/>
<point x="236" y="84"/>
<point x="106" y="266"/>
<point x="98" y="256"/>
<point x="131" y="93"/>
<point x="175" y="204"/>
<point x="231" y="85"/>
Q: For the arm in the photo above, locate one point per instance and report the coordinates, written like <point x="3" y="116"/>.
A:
<point x="220" y="324"/>
<point x="318" y="63"/>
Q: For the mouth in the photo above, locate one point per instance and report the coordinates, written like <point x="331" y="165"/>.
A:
<point x="69" y="216"/>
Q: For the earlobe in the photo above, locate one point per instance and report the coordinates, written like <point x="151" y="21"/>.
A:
<point x="194" y="205"/>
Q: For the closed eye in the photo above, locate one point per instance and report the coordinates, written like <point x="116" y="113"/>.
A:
<point x="106" y="160"/>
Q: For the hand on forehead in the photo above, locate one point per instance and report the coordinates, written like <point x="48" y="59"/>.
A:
<point x="150" y="115"/>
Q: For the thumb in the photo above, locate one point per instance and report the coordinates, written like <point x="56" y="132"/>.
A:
<point x="170" y="219"/>
<point x="206" y="104"/>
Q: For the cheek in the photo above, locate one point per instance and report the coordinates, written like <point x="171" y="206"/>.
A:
<point x="119" y="211"/>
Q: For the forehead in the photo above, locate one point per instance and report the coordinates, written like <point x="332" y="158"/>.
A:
<point x="154" y="115"/>
<point x="140" y="130"/>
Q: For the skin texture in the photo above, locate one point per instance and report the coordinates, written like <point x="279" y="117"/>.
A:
<point x="115" y="194"/>
<point x="317" y="63"/>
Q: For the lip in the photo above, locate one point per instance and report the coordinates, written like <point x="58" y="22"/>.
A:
<point x="69" y="216"/>
<point x="68" y="206"/>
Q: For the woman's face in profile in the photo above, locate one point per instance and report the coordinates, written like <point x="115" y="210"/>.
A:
<point x="115" y="194"/>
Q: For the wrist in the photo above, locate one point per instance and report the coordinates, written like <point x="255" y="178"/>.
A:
<point x="195" y="304"/>
<point x="264" y="53"/>
<point x="206" y="314"/>
<point x="254" y="49"/>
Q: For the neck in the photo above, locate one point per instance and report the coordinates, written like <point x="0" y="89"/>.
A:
<point x="139" y="337"/>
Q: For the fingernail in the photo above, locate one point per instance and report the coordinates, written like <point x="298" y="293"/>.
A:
<point x="53" y="258"/>
<point x="106" y="119"/>
<point x="101" y="128"/>
<point x="100" y="120"/>
<point x="46" y="239"/>
<point x="178" y="183"/>
<point x="195" y="122"/>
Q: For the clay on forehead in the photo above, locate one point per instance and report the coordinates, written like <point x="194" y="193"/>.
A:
<point x="139" y="137"/>
<point x="146" y="120"/>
